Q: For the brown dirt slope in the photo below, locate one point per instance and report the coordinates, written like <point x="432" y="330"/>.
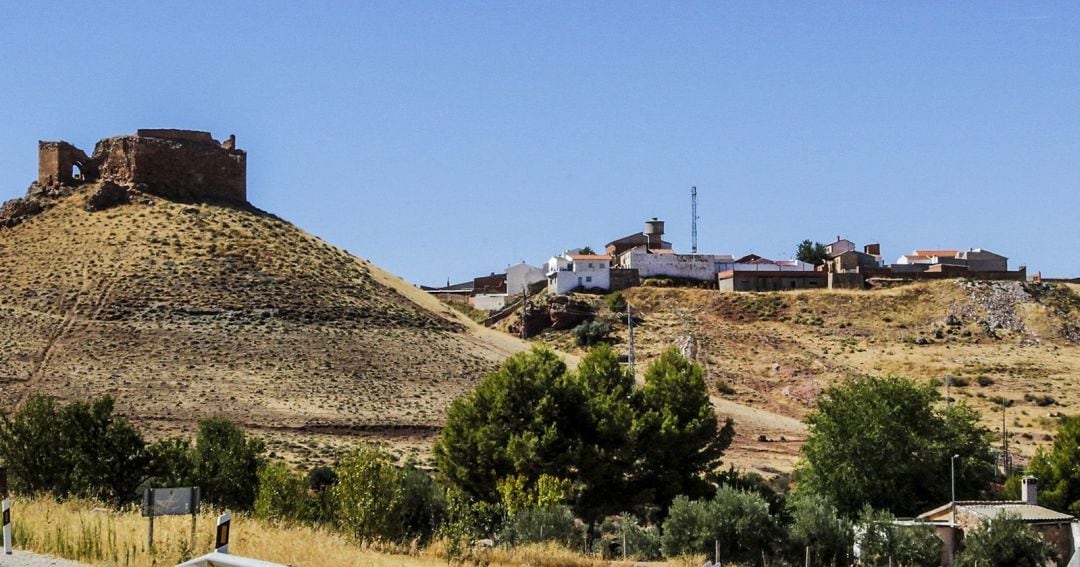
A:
<point x="182" y="311"/>
<point x="769" y="355"/>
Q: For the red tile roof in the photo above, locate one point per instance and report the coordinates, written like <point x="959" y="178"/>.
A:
<point x="589" y="257"/>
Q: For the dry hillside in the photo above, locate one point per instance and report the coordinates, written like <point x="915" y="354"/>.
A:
<point x="182" y="311"/>
<point x="768" y="355"/>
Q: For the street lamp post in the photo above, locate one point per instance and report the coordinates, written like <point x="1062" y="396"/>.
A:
<point x="952" y="474"/>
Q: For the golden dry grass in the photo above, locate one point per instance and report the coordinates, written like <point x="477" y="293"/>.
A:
<point x="88" y="533"/>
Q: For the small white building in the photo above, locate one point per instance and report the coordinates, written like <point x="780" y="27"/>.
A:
<point x="520" y="276"/>
<point x="573" y="270"/>
<point x="666" y="263"/>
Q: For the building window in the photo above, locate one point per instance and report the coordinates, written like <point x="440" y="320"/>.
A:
<point x="588" y="279"/>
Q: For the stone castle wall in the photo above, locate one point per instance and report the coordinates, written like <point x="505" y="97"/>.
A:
<point x="181" y="165"/>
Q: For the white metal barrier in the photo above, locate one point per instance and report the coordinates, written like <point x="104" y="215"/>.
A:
<point x="216" y="559"/>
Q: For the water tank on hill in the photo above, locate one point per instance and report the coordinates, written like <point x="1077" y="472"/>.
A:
<point x="654" y="231"/>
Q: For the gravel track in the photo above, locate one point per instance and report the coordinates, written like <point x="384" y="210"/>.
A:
<point x="25" y="559"/>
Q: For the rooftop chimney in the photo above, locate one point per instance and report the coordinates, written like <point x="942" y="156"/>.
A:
<point x="1029" y="490"/>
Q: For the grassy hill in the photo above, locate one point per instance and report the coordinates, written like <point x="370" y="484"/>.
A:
<point x="768" y="355"/>
<point x="183" y="311"/>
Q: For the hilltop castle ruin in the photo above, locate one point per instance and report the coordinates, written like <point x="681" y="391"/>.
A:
<point x="174" y="164"/>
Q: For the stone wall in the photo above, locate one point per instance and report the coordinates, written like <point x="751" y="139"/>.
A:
<point x="183" y="165"/>
<point x="189" y="167"/>
<point x="622" y="278"/>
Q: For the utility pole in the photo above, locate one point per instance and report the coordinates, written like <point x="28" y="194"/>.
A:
<point x="693" y="219"/>
<point x="630" y="338"/>
<point x="524" y="304"/>
<point x="1004" y="442"/>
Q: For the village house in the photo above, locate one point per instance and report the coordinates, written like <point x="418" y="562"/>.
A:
<point x="1059" y="530"/>
<point x="754" y="273"/>
<point x="574" y="270"/>
<point x="839" y="247"/>
<point x="666" y="263"/>
<point x="521" y="277"/>
<point x="652" y="238"/>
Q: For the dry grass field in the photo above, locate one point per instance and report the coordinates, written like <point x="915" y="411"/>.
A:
<point x="768" y="355"/>
<point x="88" y="533"/>
<point x="182" y="311"/>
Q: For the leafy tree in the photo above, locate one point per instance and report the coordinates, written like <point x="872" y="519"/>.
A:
<point x="734" y="522"/>
<point x="586" y="250"/>
<point x="106" y="456"/>
<point x="812" y="252"/>
<point x="883" y="543"/>
<point x="30" y="445"/>
<point x="282" y="495"/>
<point x="1058" y="469"/>
<point x="1004" y="542"/>
<point x="226" y="463"/>
<point x="520" y="420"/>
<point x="607" y="449"/>
<point x="817" y="524"/>
<point x="172" y="462"/>
<point x="81" y="449"/>
<point x="676" y="424"/>
<point x="591" y="427"/>
<point x="882" y="442"/>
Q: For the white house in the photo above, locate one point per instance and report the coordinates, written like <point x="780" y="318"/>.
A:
<point x="666" y="263"/>
<point x="520" y="276"/>
<point x="574" y="270"/>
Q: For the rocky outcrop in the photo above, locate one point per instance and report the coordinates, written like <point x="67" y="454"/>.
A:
<point x="107" y="195"/>
<point x="567" y="313"/>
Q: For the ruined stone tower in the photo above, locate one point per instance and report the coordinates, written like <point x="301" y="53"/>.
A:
<point x="175" y="164"/>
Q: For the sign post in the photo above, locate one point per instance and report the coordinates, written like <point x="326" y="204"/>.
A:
<point x="6" y="508"/>
<point x="169" y="502"/>
<point x="221" y="541"/>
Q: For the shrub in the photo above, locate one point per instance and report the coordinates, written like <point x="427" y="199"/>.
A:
<point x="535" y="525"/>
<point x="984" y="380"/>
<point x="82" y="449"/>
<point x="376" y="501"/>
<point x="882" y="542"/>
<point x="736" y="523"/>
<point x="642" y="542"/>
<point x="1004" y="542"/>
<point x="616" y="302"/>
<point x="592" y="333"/>
<point x="817" y="524"/>
<point x="282" y="494"/>
<point x="172" y="463"/>
<point x="226" y="464"/>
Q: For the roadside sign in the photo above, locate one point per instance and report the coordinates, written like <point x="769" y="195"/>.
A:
<point x="5" y="507"/>
<point x="180" y="501"/>
<point x="170" y="501"/>
<point x="221" y="540"/>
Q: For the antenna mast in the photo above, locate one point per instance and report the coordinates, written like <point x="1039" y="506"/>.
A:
<point x="693" y="219"/>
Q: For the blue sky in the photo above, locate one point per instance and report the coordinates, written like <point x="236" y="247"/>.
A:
<point x="450" y="139"/>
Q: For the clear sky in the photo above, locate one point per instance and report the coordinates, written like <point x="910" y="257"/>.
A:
<point x="450" y="139"/>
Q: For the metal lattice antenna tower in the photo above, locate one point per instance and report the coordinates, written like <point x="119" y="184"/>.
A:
<point x="693" y="219"/>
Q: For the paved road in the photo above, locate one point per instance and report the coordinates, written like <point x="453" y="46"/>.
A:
<point x="24" y="559"/>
